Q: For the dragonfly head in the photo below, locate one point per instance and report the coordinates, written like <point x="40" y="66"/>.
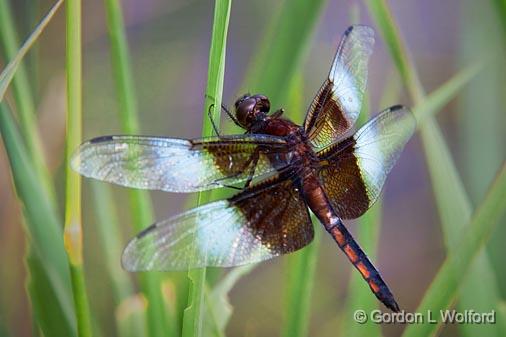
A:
<point x="250" y="109"/>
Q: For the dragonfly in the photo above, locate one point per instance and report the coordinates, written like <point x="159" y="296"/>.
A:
<point x="281" y="169"/>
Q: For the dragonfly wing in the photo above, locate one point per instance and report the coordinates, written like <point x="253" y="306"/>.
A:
<point x="354" y="171"/>
<point x="337" y="104"/>
<point x="262" y="222"/>
<point x="180" y="165"/>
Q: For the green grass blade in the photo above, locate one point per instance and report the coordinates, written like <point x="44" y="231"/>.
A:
<point x="49" y="284"/>
<point x="448" y="282"/>
<point x="73" y="219"/>
<point x="121" y="66"/>
<point x="301" y="267"/>
<point x="20" y="85"/>
<point x="283" y="48"/>
<point x="452" y="201"/>
<point x="500" y="6"/>
<point x="218" y="303"/>
<point x="193" y="314"/>
<point x="440" y="97"/>
<point x="109" y="237"/>
<point x="141" y="208"/>
<point x="47" y="313"/>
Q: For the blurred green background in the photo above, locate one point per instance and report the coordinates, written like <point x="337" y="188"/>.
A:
<point x="169" y="46"/>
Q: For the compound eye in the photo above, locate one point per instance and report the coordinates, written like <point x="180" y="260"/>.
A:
<point x="263" y="103"/>
<point x="245" y="110"/>
<point x="241" y="99"/>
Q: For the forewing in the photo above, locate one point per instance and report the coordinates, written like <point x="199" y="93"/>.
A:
<point x="259" y="223"/>
<point x="337" y="104"/>
<point x="180" y="165"/>
<point x="354" y="172"/>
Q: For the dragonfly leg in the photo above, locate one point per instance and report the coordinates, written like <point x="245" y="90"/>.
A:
<point x="231" y="116"/>
<point x="251" y="174"/>
<point x="209" y="114"/>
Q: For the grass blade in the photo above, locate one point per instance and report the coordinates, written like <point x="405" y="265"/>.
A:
<point x="449" y="279"/>
<point x="73" y="235"/>
<point x="21" y="88"/>
<point x="301" y="269"/>
<point x="141" y="207"/>
<point x="218" y="304"/>
<point x="49" y="283"/>
<point x="440" y="97"/>
<point x="500" y="6"/>
<point x="109" y="236"/>
<point x="452" y="201"/>
<point x="193" y="314"/>
<point x="282" y="49"/>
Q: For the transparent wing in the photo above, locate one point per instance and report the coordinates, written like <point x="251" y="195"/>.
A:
<point x="262" y="222"/>
<point x="337" y="104"/>
<point x="354" y="171"/>
<point x="180" y="165"/>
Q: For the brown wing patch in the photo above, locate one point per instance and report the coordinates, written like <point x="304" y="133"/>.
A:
<point x="337" y="104"/>
<point x="354" y="171"/>
<point x="331" y="122"/>
<point x="344" y="184"/>
<point x="277" y="215"/>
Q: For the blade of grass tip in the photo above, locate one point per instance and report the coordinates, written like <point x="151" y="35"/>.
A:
<point x="451" y="198"/>
<point x="49" y="283"/>
<point x="450" y="278"/>
<point x="282" y="49"/>
<point x="300" y="266"/>
<point x="73" y="236"/>
<point x="141" y="206"/>
<point x="193" y="314"/>
<point x="20" y="86"/>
